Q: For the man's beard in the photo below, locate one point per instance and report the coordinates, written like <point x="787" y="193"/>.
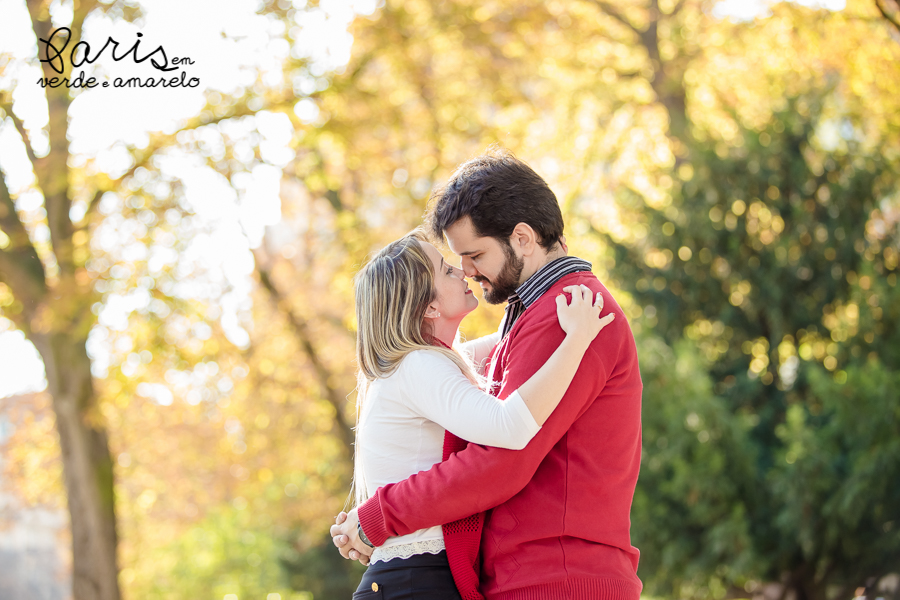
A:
<point x="507" y="280"/>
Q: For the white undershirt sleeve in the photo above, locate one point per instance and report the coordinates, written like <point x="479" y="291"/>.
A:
<point x="479" y="349"/>
<point x="437" y="390"/>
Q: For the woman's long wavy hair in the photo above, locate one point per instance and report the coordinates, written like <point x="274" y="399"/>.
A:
<point x="393" y="292"/>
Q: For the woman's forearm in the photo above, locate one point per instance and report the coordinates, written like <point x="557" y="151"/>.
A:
<point x="546" y="388"/>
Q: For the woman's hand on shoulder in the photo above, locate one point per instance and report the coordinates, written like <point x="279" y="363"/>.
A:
<point x="581" y="317"/>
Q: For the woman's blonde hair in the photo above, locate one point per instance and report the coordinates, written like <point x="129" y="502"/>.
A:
<point x="393" y="292"/>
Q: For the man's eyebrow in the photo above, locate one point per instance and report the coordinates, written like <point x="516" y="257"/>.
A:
<point x="469" y="253"/>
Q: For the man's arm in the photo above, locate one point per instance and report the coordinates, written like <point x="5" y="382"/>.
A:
<point x="480" y="477"/>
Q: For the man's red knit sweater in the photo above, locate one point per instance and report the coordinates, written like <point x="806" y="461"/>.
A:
<point x="560" y="524"/>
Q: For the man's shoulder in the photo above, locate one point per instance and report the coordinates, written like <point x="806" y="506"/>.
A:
<point x="541" y="316"/>
<point x="545" y="306"/>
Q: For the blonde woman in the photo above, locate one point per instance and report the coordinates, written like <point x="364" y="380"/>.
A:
<point x="414" y="387"/>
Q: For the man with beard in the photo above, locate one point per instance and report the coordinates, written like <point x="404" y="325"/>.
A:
<point x="552" y="520"/>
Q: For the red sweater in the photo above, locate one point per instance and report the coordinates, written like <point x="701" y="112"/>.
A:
<point x="560" y="525"/>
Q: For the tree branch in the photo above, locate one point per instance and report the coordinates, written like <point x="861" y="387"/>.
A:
<point x="82" y="10"/>
<point x="893" y="19"/>
<point x="20" y="267"/>
<point x="677" y="8"/>
<point x="7" y="106"/>
<point x="52" y="171"/>
<point x="613" y="12"/>
<point x="161" y="143"/>
<point x="298" y="326"/>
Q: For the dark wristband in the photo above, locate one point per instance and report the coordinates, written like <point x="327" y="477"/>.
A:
<point x="362" y="535"/>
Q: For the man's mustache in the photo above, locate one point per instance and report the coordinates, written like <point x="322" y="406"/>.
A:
<point x="479" y="279"/>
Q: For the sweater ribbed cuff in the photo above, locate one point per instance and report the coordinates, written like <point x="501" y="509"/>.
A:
<point x="372" y="520"/>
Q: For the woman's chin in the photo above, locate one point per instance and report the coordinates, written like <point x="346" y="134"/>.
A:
<point x="472" y="305"/>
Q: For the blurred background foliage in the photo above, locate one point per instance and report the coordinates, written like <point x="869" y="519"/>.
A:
<point x="735" y="183"/>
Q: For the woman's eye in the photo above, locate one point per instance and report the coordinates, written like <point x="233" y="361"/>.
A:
<point x="449" y="270"/>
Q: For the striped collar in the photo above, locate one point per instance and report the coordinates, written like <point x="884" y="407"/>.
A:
<point x="537" y="285"/>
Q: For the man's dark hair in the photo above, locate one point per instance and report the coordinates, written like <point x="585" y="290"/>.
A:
<point x="497" y="191"/>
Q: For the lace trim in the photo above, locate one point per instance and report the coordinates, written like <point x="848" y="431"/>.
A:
<point x="387" y="553"/>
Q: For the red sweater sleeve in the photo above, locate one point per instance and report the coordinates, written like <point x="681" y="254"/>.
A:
<point x="479" y="478"/>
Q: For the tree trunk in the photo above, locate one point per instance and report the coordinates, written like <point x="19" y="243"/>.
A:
<point x="87" y="466"/>
<point x="53" y="318"/>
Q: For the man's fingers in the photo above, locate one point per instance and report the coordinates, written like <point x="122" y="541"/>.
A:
<point x="337" y="530"/>
<point x="342" y="516"/>
<point x="354" y="555"/>
<point x="345" y="551"/>
<point x="340" y="540"/>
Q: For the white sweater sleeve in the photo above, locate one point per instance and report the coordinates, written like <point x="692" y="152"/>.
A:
<point x="480" y="348"/>
<point x="436" y="389"/>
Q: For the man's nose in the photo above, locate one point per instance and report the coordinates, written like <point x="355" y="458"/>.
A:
<point x="468" y="267"/>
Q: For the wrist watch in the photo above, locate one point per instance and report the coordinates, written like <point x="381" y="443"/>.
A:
<point x="362" y="535"/>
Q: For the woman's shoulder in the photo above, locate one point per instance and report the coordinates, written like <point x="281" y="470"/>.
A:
<point x="421" y="371"/>
<point x="424" y="356"/>
<point x="425" y="366"/>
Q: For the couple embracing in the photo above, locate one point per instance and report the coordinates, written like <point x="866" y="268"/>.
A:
<point x="504" y="467"/>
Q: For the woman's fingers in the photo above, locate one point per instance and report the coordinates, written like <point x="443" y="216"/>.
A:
<point x="583" y="294"/>
<point x="561" y="301"/>
<point x="580" y="293"/>
<point x="607" y="320"/>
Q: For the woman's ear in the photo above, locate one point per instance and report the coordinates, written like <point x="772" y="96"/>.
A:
<point x="432" y="311"/>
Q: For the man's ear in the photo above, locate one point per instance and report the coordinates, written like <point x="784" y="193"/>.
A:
<point x="524" y="238"/>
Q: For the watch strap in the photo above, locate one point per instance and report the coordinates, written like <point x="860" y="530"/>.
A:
<point x="362" y="535"/>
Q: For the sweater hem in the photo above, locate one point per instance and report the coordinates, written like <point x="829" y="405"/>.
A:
<point x="574" y="589"/>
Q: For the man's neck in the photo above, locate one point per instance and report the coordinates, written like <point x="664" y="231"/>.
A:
<point x="556" y="252"/>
